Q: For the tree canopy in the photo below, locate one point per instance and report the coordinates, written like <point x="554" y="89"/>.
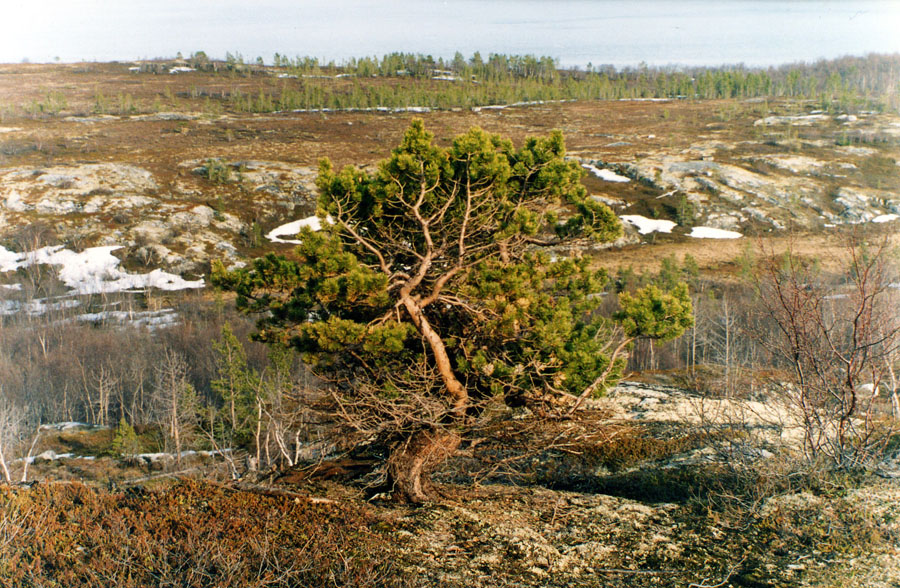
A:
<point x="429" y="292"/>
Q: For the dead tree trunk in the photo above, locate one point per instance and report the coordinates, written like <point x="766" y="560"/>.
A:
<point x="6" y="476"/>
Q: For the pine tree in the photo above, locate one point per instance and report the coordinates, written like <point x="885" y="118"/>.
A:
<point x="429" y="297"/>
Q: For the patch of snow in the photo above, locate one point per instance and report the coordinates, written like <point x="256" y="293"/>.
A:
<point x="447" y="78"/>
<point x="91" y="119"/>
<point x="34" y="307"/>
<point x="181" y="69"/>
<point x="385" y="109"/>
<point x="9" y="129"/>
<point x="69" y="425"/>
<point x="149" y="318"/>
<point x="711" y="233"/>
<point x="514" y="104"/>
<point x="292" y="228"/>
<point x="14" y="202"/>
<point x="51" y="455"/>
<point x="11" y="286"/>
<point x="646" y="225"/>
<point x="851" y="150"/>
<point x="286" y="76"/>
<point x="134" y="69"/>
<point x="805" y="120"/>
<point x="94" y="270"/>
<point x="605" y="174"/>
<point x="885" y="218"/>
<point x="8" y="260"/>
<point x="48" y="455"/>
<point x="154" y="457"/>
<point x="166" y="116"/>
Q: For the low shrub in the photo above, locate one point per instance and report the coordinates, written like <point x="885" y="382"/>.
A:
<point x="190" y="534"/>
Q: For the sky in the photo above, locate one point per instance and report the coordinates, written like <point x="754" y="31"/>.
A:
<point x="658" y="32"/>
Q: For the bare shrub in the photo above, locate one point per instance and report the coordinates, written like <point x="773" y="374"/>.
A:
<point x="190" y="534"/>
<point x="177" y="405"/>
<point x="11" y="429"/>
<point x="838" y="337"/>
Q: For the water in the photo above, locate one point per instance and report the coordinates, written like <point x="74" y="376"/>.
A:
<point x="577" y="32"/>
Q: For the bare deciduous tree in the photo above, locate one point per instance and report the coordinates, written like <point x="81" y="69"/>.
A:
<point x="177" y="403"/>
<point x="838" y="337"/>
<point x="13" y="437"/>
<point x="10" y="435"/>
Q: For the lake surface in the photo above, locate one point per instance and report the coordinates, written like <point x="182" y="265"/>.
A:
<point x="577" y="32"/>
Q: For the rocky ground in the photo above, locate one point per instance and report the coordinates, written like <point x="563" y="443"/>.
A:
<point x="838" y="170"/>
<point x="180" y="226"/>
<point x="501" y="536"/>
<point x="645" y="490"/>
<point x="143" y="180"/>
<point x="649" y="486"/>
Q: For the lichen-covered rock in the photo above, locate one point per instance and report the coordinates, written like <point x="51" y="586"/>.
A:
<point x="181" y="227"/>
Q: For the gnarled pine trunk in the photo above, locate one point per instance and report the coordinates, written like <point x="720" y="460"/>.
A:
<point x="459" y="397"/>
<point x="412" y="460"/>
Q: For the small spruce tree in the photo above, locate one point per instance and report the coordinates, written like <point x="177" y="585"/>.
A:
<point x="126" y="442"/>
<point x="235" y="388"/>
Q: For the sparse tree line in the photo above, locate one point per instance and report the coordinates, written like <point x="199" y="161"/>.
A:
<point x="847" y="84"/>
<point x="839" y="85"/>
<point x="870" y="75"/>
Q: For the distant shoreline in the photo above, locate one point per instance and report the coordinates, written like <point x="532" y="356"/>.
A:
<point x="656" y="32"/>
